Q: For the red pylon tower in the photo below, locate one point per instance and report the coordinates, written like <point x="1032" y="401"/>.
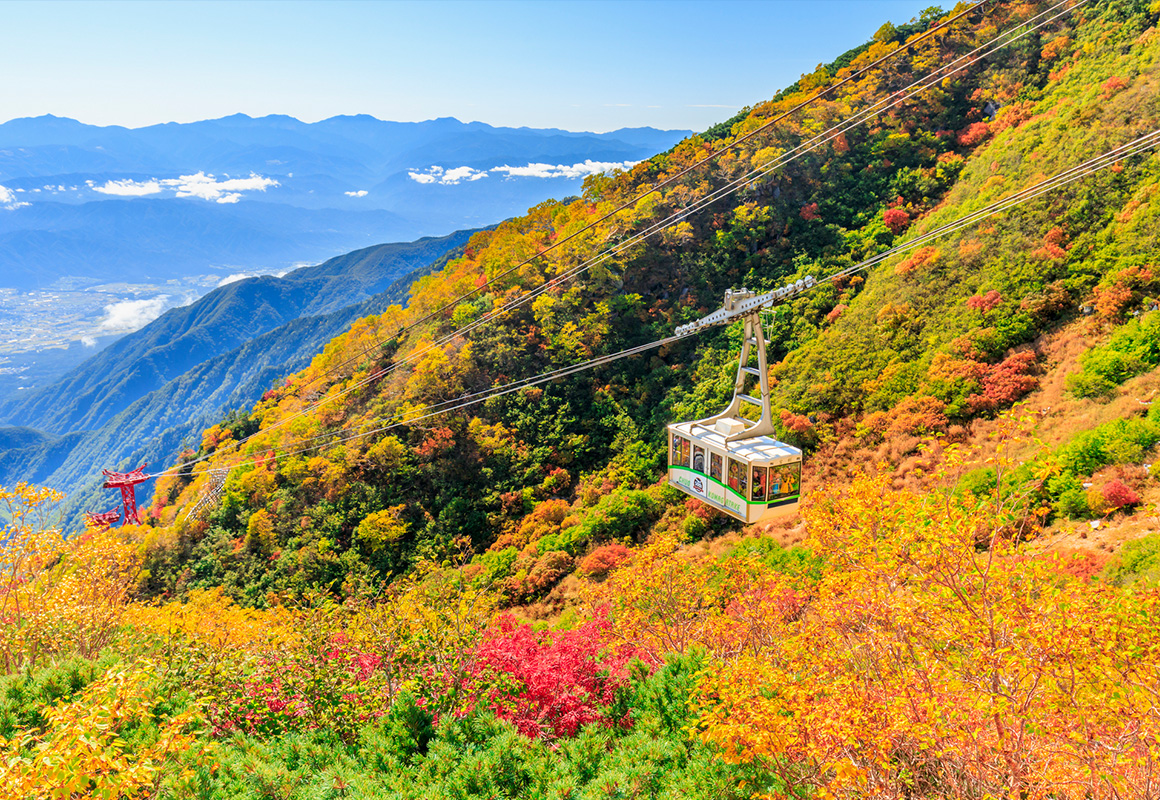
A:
<point x="125" y="481"/>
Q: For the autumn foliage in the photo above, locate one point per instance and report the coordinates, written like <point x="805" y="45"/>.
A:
<point x="551" y="685"/>
<point x="507" y="600"/>
<point x="896" y="219"/>
<point x="926" y="665"/>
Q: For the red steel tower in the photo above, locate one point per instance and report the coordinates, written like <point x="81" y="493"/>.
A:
<point x="125" y="481"/>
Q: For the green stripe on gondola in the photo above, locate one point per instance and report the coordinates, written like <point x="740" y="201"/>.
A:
<point x="740" y="497"/>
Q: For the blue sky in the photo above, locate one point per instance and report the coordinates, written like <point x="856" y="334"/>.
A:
<point x="591" y="65"/>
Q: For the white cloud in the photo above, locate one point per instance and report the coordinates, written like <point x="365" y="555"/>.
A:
<point x="359" y="193"/>
<point x="129" y="315"/>
<point x="129" y="188"/>
<point x="238" y="276"/>
<point x="200" y="185"/>
<point x="88" y="341"/>
<point x="460" y="174"/>
<point x="207" y="187"/>
<point x="449" y="177"/>
<point x="589" y="167"/>
<point x="8" y="199"/>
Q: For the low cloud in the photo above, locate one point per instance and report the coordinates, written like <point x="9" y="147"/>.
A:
<point x="359" y="193"/>
<point x="129" y="315"/>
<point x="461" y="174"/>
<point x="589" y="167"/>
<point x="241" y="276"/>
<point x="207" y="187"/>
<point x="128" y="188"/>
<point x="8" y="199"/>
<point x="200" y="185"/>
<point x="448" y="177"/>
<point x="88" y="341"/>
<point x="237" y="276"/>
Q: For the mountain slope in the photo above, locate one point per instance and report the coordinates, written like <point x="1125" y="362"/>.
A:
<point x="903" y="342"/>
<point x="507" y="599"/>
<point x="161" y="423"/>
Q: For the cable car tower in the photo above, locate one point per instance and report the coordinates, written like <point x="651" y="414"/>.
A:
<point x="126" y="482"/>
<point x="729" y="461"/>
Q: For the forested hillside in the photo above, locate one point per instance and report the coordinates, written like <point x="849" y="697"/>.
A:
<point x="501" y="596"/>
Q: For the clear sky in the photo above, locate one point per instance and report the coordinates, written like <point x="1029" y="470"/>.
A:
<point x="589" y="65"/>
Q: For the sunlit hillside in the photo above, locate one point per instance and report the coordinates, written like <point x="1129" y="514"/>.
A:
<point x="440" y="563"/>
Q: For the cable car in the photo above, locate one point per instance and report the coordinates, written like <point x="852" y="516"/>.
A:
<point x="733" y="463"/>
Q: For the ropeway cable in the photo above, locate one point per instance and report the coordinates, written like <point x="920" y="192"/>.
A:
<point x="905" y="47"/>
<point x="902" y="48"/>
<point x="786" y="158"/>
<point x="1141" y="144"/>
<point x="897" y="98"/>
<point x="464" y="401"/>
<point x="1138" y="145"/>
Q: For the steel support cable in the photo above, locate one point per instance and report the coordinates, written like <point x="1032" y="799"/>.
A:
<point x="897" y="98"/>
<point x="906" y="47"/>
<point x="902" y="48"/>
<point x="1087" y="168"/>
<point x="464" y="402"/>
<point x="798" y="151"/>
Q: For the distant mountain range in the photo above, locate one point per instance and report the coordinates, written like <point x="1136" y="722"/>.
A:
<point x="81" y="203"/>
<point x="140" y="398"/>
<point x="103" y="228"/>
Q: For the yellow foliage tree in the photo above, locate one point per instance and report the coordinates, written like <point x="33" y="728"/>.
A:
<point x="81" y="752"/>
<point x="669" y="601"/>
<point x="60" y="596"/>
<point x="382" y="529"/>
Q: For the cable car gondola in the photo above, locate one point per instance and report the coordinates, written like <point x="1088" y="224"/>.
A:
<point x="732" y="463"/>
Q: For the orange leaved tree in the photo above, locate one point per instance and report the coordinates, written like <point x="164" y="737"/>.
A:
<point x="937" y="658"/>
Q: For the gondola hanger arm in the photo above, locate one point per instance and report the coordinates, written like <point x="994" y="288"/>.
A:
<point x="742" y="302"/>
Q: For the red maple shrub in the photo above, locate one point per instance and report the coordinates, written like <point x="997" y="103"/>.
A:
<point x="1006" y="382"/>
<point x="604" y="559"/>
<point x="896" y="219"/>
<point x="1119" y="496"/>
<point x="914" y="415"/>
<point x="1113" y="85"/>
<point x="924" y="258"/>
<point x="438" y="442"/>
<point x="973" y="134"/>
<point x="1052" y="248"/>
<point x="551" y="684"/>
<point x="809" y="212"/>
<point x="985" y="302"/>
